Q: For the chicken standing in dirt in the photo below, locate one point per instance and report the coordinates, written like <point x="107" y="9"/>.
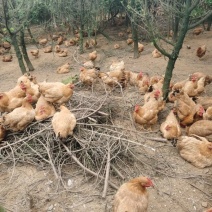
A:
<point x="20" y="117"/>
<point x="7" y="58"/>
<point x="56" y="92"/>
<point x="170" y="128"/>
<point x="132" y="196"/>
<point x="201" y="51"/>
<point x="63" y="122"/>
<point x="88" y="76"/>
<point x="93" y="55"/>
<point x="197" y="151"/>
<point x="35" y="53"/>
<point x="64" y="69"/>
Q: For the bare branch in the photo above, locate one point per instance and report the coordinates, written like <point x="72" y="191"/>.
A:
<point x="160" y="49"/>
<point x="201" y="20"/>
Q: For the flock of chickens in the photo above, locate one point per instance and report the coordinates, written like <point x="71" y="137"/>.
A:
<point x="18" y="104"/>
<point x="189" y="109"/>
<point x="30" y="100"/>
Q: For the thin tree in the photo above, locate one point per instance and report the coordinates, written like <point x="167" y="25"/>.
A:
<point x="14" y="25"/>
<point x="182" y="13"/>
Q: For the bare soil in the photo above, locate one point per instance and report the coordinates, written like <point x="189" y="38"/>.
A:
<point x="24" y="187"/>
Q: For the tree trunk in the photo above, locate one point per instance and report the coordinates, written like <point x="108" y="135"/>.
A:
<point x="135" y="39"/>
<point x="134" y="31"/>
<point x="31" y="36"/>
<point x="176" y="50"/>
<point x="168" y="77"/>
<point x="81" y="42"/>
<point x="18" y="53"/>
<point x="176" y="28"/>
<point x="24" y="52"/>
<point x="209" y="23"/>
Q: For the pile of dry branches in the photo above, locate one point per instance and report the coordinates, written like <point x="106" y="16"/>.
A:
<point x="99" y="147"/>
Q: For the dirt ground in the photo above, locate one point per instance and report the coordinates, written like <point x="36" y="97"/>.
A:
<point x="24" y="187"/>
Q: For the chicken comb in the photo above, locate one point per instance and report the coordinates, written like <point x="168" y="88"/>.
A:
<point x="140" y="73"/>
<point x="210" y="146"/>
<point x="150" y="183"/>
<point x="136" y="107"/>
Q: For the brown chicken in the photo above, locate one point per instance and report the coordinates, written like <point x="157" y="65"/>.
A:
<point x="60" y="40"/>
<point x="170" y="128"/>
<point x="93" y="55"/>
<point x="26" y="79"/>
<point x="63" y="122"/>
<point x="56" y="92"/>
<point x="117" y="66"/>
<point x="134" y="78"/>
<point x="198" y="75"/>
<point x="208" y="210"/>
<point x="67" y="43"/>
<point x="88" y="76"/>
<point x="54" y="37"/>
<point x="132" y="196"/>
<point x="208" y="114"/>
<point x="88" y="64"/>
<point x="43" y="41"/>
<point x="206" y="101"/>
<point x="2" y="51"/>
<point x="201" y="51"/>
<point x="156" y="54"/>
<point x="7" y="58"/>
<point x="63" y="53"/>
<point x="93" y="42"/>
<point x="129" y="41"/>
<point x="6" y="45"/>
<point x="116" y="46"/>
<point x="120" y="34"/>
<point x="143" y="84"/>
<point x="179" y="85"/>
<point x="48" y="49"/>
<point x="57" y="49"/>
<point x="198" y="30"/>
<point x="11" y="99"/>
<point x="30" y="88"/>
<point x="113" y="78"/>
<point x="156" y="95"/>
<point x="35" y="53"/>
<point x="185" y="108"/>
<point x="64" y="69"/>
<point x="158" y="85"/>
<point x="20" y="117"/>
<point x="140" y="47"/>
<point x="194" y="86"/>
<point x="201" y="128"/>
<point x="196" y="150"/>
<point x="199" y="114"/>
<point x="147" y="114"/>
<point x="72" y="42"/>
<point x="43" y="109"/>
